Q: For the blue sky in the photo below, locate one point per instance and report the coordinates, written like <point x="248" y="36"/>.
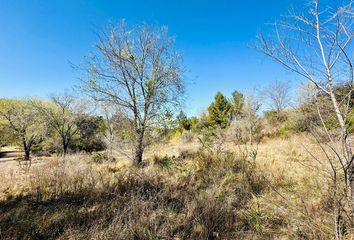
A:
<point x="39" y="39"/>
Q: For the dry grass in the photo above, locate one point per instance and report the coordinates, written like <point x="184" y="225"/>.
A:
<point x="194" y="196"/>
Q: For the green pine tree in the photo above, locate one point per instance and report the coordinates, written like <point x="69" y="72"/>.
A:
<point x="238" y="101"/>
<point x="184" y="122"/>
<point x="220" y="111"/>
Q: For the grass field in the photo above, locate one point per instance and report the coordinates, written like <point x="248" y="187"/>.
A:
<point x="182" y="193"/>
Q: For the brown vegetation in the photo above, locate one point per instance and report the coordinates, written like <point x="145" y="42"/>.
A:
<point x="195" y="196"/>
<point x="121" y="165"/>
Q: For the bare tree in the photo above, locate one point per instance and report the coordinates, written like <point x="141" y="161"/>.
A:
<point x="61" y="115"/>
<point x="111" y="118"/>
<point x="138" y="70"/>
<point x="251" y="119"/>
<point x="318" y="45"/>
<point x="277" y="94"/>
<point x="305" y="93"/>
<point x="24" y="122"/>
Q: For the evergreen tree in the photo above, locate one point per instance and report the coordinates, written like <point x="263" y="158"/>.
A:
<point x="238" y="100"/>
<point x="183" y="122"/>
<point x="220" y="111"/>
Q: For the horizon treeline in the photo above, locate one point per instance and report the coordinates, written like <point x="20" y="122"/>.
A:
<point x="68" y="123"/>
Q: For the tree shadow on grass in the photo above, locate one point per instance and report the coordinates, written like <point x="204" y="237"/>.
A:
<point x="28" y="218"/>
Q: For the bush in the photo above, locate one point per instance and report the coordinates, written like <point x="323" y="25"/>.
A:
<point x="284" y="131"/>
<point x="163" y="162"/>
<point x="187" y="137"/>
<point x="273" y="117"/>
<point x="350" y="121"/>
<point x="99" y="157"/>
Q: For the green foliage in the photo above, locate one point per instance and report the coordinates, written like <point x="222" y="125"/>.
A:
<point x="270" y="116"/>
<point x="255" y="216"/>
<point x="237" y="100"/>
<point x="350" y="120"/>
<point x="220" y="111"/>
<point x="167" y="123"/>
<point x="306" y="116"/>
<point x="20" y="124"/>
<point x="90" y="131"/>
<point x="194" y="122"/>
<point x="274" y="117"/>
<point x="2" y="135"/>
<point x="99" y="157"/>
<point x="60" y="116"/>
<point x="184" y="123"/>
<point x="174" y="135"/>
<point x="284" y="131"/>
<point x="7" y="136"/>
<point x="162" y="162"/>
<point x="202" y="123"/>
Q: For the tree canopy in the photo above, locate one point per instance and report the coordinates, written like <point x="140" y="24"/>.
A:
<point x="139" y="70"/>
<point x="220" y="111"/>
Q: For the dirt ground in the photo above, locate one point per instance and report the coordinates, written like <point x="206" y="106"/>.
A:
<point x="8" y="159"/>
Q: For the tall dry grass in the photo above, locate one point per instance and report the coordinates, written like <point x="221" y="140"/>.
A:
<point x="198" y="195"/>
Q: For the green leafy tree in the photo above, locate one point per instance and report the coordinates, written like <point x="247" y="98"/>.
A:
<point x="238" y="101"/>
<point x="3" y="133"/>
<point x="194" y="122"/>
<point x="183" y="122"/>
<point x="202" y="122"/>
<point x="61" y="116"/>
<point x="220" y="111"/>
<point x="22" y="122"/>
<point x="90" y="130"/>
<point x="168" y="122"/>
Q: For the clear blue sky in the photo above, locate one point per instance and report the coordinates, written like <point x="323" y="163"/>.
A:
<point x="39" y="39"/>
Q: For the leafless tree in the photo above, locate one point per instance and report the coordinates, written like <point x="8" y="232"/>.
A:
<point x="245" y="131"/>
<point x="138" y="70"/>
<point x="250" y="116"/>
<point x="111" y="116"/>
<point x="318" y="46"/>
<point x="305" y="93"/>
<point x="278" y="95"/>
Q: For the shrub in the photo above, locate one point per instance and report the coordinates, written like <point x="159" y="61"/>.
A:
<point x="350" y="121"/>
<point x="163" y="162"/>
<point x="284" y="131"/>
<point x="99" y="157"/>
<point x="187" y="137"/>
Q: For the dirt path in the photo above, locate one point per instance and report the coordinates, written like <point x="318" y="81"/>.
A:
<point x="9" y="154"/>
<point x="8" y="162"/>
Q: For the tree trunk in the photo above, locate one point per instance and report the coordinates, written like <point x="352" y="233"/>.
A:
<point x="65" y="146"/>
<point x="27" y="154"/>
<point x="278" y="114"/>
<point x="139" y="147"/>
<point x="351" y="185"/>
<point x="27" y="149"/>
<point x="110" y="151"/>
<point x="110" y="144"/>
